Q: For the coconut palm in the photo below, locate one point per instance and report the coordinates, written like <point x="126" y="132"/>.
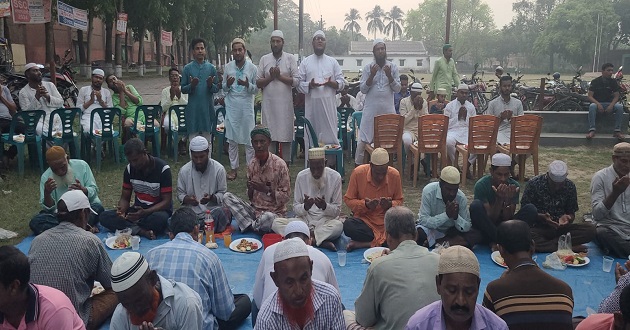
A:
<point x="375" y="20"/>
<point x="395" y="19"/>
<point x="351" y="22"/>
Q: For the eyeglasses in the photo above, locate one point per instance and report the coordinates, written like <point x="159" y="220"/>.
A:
<point x="319" y="39"/>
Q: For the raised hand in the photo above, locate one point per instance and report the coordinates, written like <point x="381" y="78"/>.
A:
<point x="371" y="204"/>
<point x="385" y="203"/>
<point x="194" y="81"/>
<point x="49" y="186"/>
<point x="209" y="81"/>
<point x="244" y="82"/>
<point x="230" y="81"/>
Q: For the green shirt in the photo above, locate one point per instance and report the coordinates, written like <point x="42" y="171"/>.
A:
<point x="130" y="111"/>
<point x="82" y="172"/>
<point x="485" y="193"/>
<point x="444" y="76"/>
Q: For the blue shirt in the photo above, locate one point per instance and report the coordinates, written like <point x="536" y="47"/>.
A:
<point x="433" y="210"/>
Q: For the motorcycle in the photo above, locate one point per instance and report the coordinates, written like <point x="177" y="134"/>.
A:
<point x="624" y="88"/>
<point x="65" y="81"/>
<point x="477" y="90"/>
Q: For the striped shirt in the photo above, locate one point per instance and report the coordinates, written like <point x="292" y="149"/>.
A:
<point x="149" y="185"/>
<point x="529" y="298"/>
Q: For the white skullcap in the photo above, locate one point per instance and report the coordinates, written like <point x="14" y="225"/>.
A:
<point x="463" y="87"/>
<point x="319" y="33"/>
<point x="297" y="226"/>
<point x="558" y="171"/>
<point x="450" y="174"/>
<point x="199" y="143"/>
<point x="379" y="157"/>
<point x="500" y="159"/>
<point x="32" y="65"/>
<point x="98" y="72"/>
<point x="499" y="68"/>
<point x="441" y="91"/>
<point x="377" y="41"/>
<point x="458" y="259"/>
<point x="416" y="87"/>
<point x="277" y="33"/>
<point x="316" y="153"/>
<point x="127" y="270"/>
<point x="290" y="248"/>
<point x="76" y="200"/>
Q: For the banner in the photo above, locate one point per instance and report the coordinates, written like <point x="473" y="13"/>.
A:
<point x="167" y="38"/>
<point x="121" y="24"/>
<point x="72" y="17"/>
<point x="5" y="8"/>
<point x="31" y="11"/>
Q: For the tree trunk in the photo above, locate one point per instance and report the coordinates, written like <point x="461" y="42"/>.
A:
<point x="89" y="45"/>
<point x="81" y="46"/>
<point x="50" y="50"/>
<point x="118" y="56"/>
<point x="109" y="29"/>
<point x="158" y="49"/>
<point x="185" y="49"/>
<point x="551" y="62"/>
<point x="141" y="52"/>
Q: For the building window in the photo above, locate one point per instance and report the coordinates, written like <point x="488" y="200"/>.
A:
<point x="402" y="62"/>
<point x="419" y="62"/>
<point x="359" y="62"/>
<point x="340" y="62"/>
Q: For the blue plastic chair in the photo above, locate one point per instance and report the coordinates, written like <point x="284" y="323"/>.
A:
<point x="344" y="118"/>
<point x="173" y="134"/>
<point x="151" y="131"/>
<point x="30" y="118"/>
<point x="355" y="125"/>
<point x="298" y="130"/>
<point x="219" y="134"/>
<point x="107" y="134"/>
<point x="304" y="123"/>
<point x="68" y="135"/>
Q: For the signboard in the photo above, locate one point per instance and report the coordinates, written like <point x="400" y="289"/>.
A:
<point x="31" y="11"/>
<point x="72" y="17"/>
<point x="167" y="38"/>
<point x="5" y="8"/>
<point x="121" y="24"/>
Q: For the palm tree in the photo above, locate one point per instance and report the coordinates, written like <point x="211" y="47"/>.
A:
<point x="351" y="22"/>
<point x="395" y="19"/>
<point x="375" y="20"/>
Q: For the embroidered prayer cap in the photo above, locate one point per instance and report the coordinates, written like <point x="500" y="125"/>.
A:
<point x="377" y="41"/>
<point x="290" y="248"/>
<point x="557" y="171"/>
<point x="316" y="153"/>
<point x="319" y="33"/>
<point x="98" y="72"/>
<point x="499" y="68"/>
<point x="199" y="143"/>
<point x="238" y="41"/>
<point x="450" y="174"/>
<point x="259" y="129"/>
<point x="277" y="33"/>
<point x="297" y="226"/>
<point x="55" y="153"/>
<point x="445" y="47"/>
<point x="416" y="87"/>
<point x="458" y="259"/>
<point x="622" y="149"/>
<point x="76" y="200"/>
<point x="127" y="270"/>
<point x="441" y="91"/>
<point x="379" y="157"/>
<point x="32" y="65"/>
<point x="500" y="159"/>
<point x="463" y="87"/>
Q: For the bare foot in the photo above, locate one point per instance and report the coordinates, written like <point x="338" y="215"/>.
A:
<point x="353" y="245"/>
<point x="147" y="233"/>
<point x="590" y="135"/>
<point x="580" y="248"/>
<point x="328" y="245"/>
<point x="232" y="175"/>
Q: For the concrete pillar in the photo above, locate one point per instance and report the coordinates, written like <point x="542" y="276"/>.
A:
<point x="118" y="71"/>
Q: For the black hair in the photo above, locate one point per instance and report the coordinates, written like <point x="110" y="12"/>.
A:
<point x="404" y="77"/>
<point x="195" y="41"/>
<point x="514" y="236"/>
<point x="109" y="75"/>
<point x="183" y="220"/>
<point x="64" y="215"/>
<point x="14" y="266"/>
<point x="607" y="65"/>
<point x="134" y="146"/>
<point x="505" y="78"/>
<point x="173" y="69"/>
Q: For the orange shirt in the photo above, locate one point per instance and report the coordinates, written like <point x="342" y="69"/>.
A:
<point x="361" y="187"/>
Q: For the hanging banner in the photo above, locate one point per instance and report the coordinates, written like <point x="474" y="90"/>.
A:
<point x="121" y="24"/>
<point x="167" y="38"/>
<point x="5" y="8"/>
<point x="31" y="11"/>
<point x="72" y="17"/>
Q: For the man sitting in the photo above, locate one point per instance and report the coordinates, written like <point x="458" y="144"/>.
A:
<point x="31" y="306"/>
<point x="610" y="198"/>
<point x="345" y="100"/>
<point x="70" y="259"/>
<point x="184" y="260"/>
<point x="458" y="285"/>
<point x="444" y="213"/>
<point x="459" y="112"/>
<point x="299" y="300"/>
<point x="150" y="179"/>
<point x="201" y="184"/>
<point x="322" y="267"/>
<point x="64" y="174"/>
<point x="505" y="107"/>
<point x="150" y="301"/>
<point x="603" y="93"/>
<point x="555" y="198"/>
<point x="172" y="95"/>
<point x="412" y="107"/>
<point x="93" y="97"/>
<point x="127" y="99"/>
<point x="268" y="187"/>
<point x="40" y="95"/>
<point x="617" y="320"/>
<point x="523" y="294"/>
<point x="373" y="189"/>
<point x="316" y="201"/>
<point x="399" y="283"/>
<point x="437" y="106"/>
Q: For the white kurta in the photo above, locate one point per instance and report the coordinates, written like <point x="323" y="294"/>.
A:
<point x="379" y="98"/>
<point x="353" y="101"/>
<point x="277" y="97"/>
<point x="166" y="102"/>
<point x="458" y="129"/>
<point x="84" y="96"/>
<point x="194" y="183"/>
<point x="496" y="107"/>
<point x="29" y="102"/>
<point x="239" y="102"/>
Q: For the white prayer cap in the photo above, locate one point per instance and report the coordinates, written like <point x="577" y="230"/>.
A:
<point x="441" y="91"/>
<point x="32" y="65"/>
<point x="316" y="153"/>
<point x="450" y="174"/>
<point x="463" y="87"/>
<point x="377" y="41"/>
<point x="277" y="33"/>
<point x="379" y="157"/>
<point x="127" y="270"/>
<point x="499" y="68"/>
<point x="76" y="200"/>
<point x="319" y="33"/>
<point x="199" y="143"/>
<point x="290" y="248"/>
<point x="458" y="259"/>
<point x="416" y="87"/>
<point x="500" y="159"/>
<point x="558" y="171"/>
<point x="297" y="226"/>
<point x="98" y="72"/>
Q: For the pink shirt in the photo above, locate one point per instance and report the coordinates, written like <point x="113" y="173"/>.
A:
<point x="47" y="309"/>
<point x="597" y="322"/>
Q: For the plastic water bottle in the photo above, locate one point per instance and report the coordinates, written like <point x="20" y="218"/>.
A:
<point x="209" y="227"/>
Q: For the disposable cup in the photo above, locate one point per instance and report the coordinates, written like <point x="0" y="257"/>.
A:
<point x="341" y="256"/>
<point x="607" y="264"/>
<point x="135" y="242"/>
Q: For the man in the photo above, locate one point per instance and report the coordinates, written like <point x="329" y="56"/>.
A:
<point x="412" y="107"/>
<point x="184" y="260"/>
<point x="150" y="301"/>
<point x="444" y="73"/>
<point x="524" y="293"/>
<point x="444" y="213"/>
<point x="437" y="106"/>
<point x="316" y="201"/>
<point x="505" y="107"/>
<point x="239" y="86"/>
<point x="555" y="199"/>
<point x="345" y="100"/>
<point x="200" y="82"/>
<point x="498" y="72"/>
<point x="201" y="184"/>
<point x="379" y="87"/>
<point x="615" y="320"/>
<point x="127" y="99"/>
<point x="299" y="301"/>
<point x="172" y="95"/>
<point x="7" y="110"/>
<point x="458" y="285"/>
<point x="610" y="304"/>
<point x="403" y="93"/>
<point x="495" y="200"/>
<point x="268" y="187"/>
<point x="30" y="306"/>
<point x="277" y="74"/>
<point x="64" y="174"/>
<point x="610" y="198"/>
<point x="40" y="95"/>
<point x="82" y="262"/>
<point x="149" y="178"/>
<point x="373" y="189"/>
<point x="320" y="79"/>
<point x="93" y="97"/>
<point x="459" y="112"/>
<point x="399" y="283"/>
<point x="322" y="267"/>
<point x="603" y="93"/>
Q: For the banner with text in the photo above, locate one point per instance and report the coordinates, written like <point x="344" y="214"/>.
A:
<point x="167" y="38"/>
<point x="5" y="8"/>
<point x="72" y="17"/>
<point x="121" y="24"/>
<point x="31" y="11"/>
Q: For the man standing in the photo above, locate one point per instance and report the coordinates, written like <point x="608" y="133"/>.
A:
<point x="40" y="95"/>
<point x="172" y="95"/>
<point x="277" y="74"/>
<point x="555" y="198"/>
<point x="379" y="87"/>
<point x="320" y="79"/>
<point x="299" y="301"/>
<point x="399" y="283"/>
<point x="444" y="73"/>
<point x="149" y="178"/>
<point x="268" y="187"/>
<point x="403" y="93"/>
<point x="604" y="95"/>
<point x="412" y="107"/>
<point x="459" y="112"/>
<point x="373" y="189"/>
<point x="525" y="292"/>
<point x="239" y="86"/>
<point x="201" y="184"/>
<point x="64" y="174"/>
<point x="505" y="107"/>
<point x="200" y="82"/>
<point x="458" y="286"/>
<point x="127" y="99"/>
<point x="316" y="201"/>
<point x="610" y="198"/>
<point x="93" y="97"/>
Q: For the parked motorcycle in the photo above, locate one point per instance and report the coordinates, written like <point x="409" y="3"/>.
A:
<point x="65" y="81"/>
<point x="624" y="88"/>
<point x="477" y="90"/>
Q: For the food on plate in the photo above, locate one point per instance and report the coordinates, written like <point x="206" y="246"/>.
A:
<point x="574" y="259"/>
<point x="374" y="255"/>
<point x="499" y="259"/>
<point x="246" y="246"/>
<point x="332" y="146"/>
<point x="212" y="245"/>
<point x="122" y="242"/>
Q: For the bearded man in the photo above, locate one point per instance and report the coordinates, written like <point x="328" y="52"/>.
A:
<point x="93" y="97"/>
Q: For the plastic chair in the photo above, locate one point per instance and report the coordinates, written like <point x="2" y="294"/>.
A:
<point x="174" y="132"/>
<point x="107" y="134"/>
<point x="524" y="139"/>
<point x="219" y="133"/>
<point x="432" y="131"/>
<point x="482" y="141"/>
<point x="388" y="130"/>
<point x="298" y="129"/>
<point x="30" y="118"/>
<point x="343" y="118"/>
<point x="68" y="135"/>
<point x="355" y="124"/>
<point x="151" y="131"/>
